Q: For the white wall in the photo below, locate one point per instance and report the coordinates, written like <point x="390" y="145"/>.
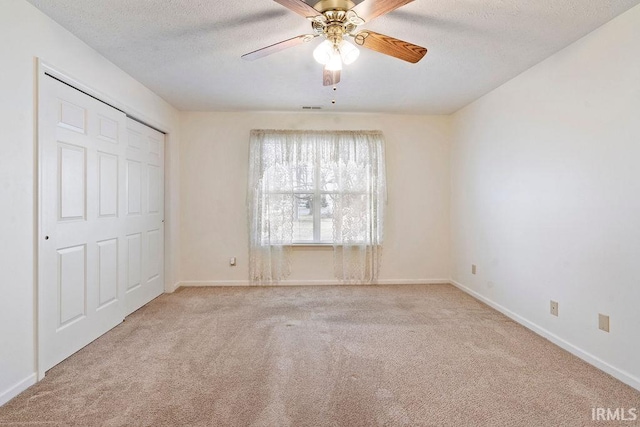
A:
<point x="546" y="196"/>
<point x="27" y="34"/>
<point x="215" y="157"/>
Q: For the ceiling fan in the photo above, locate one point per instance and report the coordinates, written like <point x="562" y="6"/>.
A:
<point x="337" y="19"/>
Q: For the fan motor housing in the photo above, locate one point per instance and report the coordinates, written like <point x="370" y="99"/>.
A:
<point x="335" y="25"/>
<point x="325" y="5"/>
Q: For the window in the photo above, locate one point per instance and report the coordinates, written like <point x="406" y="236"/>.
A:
<point x="313" y="193"/>
<point x="315" y="187"/>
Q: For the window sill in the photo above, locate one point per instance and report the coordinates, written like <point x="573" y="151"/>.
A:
<point x="317" y="245"/>
<point x="311" y="245"/>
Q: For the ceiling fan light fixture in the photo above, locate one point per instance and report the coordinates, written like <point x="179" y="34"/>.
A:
<point x="335" y="62"/>
<point x="348" y="52"/>
<point x="334" y="20"/>
<point x="323" y="52"/>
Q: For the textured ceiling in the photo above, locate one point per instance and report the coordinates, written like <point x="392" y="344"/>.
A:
<point x="188" y="51"/>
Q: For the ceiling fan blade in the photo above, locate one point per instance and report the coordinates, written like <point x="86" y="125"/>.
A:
<point x="260" y="53"/>
<point x="390" y="46"/>
<point x="371" y="9"/>
<point x="299" y="7"/>
<point x="330" y="78"/>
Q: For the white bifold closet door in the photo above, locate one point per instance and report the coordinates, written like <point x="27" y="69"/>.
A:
<point x="101" y="232"/>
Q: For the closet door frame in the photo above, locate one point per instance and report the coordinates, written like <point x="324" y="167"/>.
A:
<point x="47" y="71"/>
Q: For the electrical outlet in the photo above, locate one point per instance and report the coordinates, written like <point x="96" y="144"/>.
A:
<point x="232" y="261"/>
<point x="603" y="322"/>
<point x="554" y="308"/>
<point x="473" y="269"/>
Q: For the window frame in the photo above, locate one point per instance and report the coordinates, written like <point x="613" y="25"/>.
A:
<point x="317" y="194"/>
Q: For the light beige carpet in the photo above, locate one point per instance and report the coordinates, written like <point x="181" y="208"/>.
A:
<point x="320" y="356"/>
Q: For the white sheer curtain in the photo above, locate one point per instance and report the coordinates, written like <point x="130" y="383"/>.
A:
<point x="358" y="161"/>
<point x="345" y="172"/>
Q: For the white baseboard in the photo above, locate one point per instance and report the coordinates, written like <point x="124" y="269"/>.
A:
<point x="173" y="288"/>
<point x="413" y="282"/>
<point x="7" y="395"/>
<point x="213" y="283"/>
<point x="623" y="376"/>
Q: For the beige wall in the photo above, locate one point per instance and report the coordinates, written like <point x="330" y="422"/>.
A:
<point x="546" y="196"/>
<point x="214" y="163"/>
<point x="28" y="34"/>
<point x="544" y="190"/>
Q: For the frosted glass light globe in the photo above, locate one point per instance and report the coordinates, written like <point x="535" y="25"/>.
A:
<point x="348" y="52"/>
<point x="335" y="62"/>
<point x="323" y="52"/>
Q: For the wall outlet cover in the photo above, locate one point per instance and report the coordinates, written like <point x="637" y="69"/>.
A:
<point x="553" y="308"/>
<point x="603" y="322"/>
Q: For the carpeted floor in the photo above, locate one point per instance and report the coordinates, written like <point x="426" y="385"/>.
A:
<point x="320" y="356"/>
